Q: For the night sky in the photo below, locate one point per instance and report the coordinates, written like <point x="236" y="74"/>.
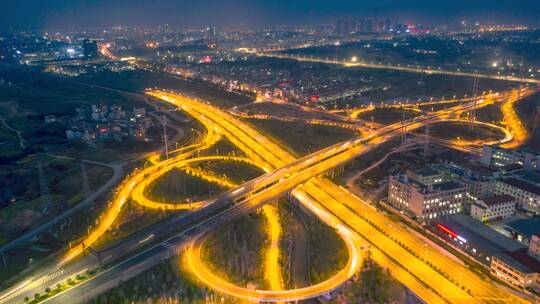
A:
<point x="97" y="13"/>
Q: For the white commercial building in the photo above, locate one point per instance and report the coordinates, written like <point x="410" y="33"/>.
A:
<point x="494" y="156"/>
<point x="426" y="201"/>
<point x="519" y="268"/>
<point x="493" y="208"/>
<point x="526" y="195"/>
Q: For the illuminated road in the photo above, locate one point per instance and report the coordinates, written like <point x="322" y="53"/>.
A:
<point x="109" y="217"/>
<point x="271" y="264"/>
<point x="289" y="173"/>
<point x="357" y="126"/>
<point x="138" y="193"/>
<point x="512" y="121"/>
<point x="255" y="145"/>
<point x="196" y="265"/>
<point x="403" y="68"/>
<point x="448" y="280"/>
<point x="508" y="134"/>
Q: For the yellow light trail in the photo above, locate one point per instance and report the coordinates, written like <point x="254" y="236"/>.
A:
<point x="254" y="144"/>
<point x="448" y="286"/>
<point x="259" y="142"/>
<point x="272" y="269"/>
<point x="125" y="190"/>
<point x="198" y="267"/>
<point x="139" y="196"/>
<point x="356" y="112"/>
<point x="513" y="122"/>
<point x="400" y="68"/>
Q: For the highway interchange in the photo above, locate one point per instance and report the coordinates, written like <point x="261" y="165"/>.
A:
<point x="358" y="223"/>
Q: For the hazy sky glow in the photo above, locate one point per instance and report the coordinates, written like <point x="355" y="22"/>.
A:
<point x="88" y="13"/>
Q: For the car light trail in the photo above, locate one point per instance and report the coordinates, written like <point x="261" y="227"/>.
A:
<point x="512" y="120"/>
<point x="448" y="288"/>
<point x="268" y="155"/>
<point x="272" y="269"/>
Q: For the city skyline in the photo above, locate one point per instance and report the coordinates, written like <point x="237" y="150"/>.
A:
<point x="183" y="14"/>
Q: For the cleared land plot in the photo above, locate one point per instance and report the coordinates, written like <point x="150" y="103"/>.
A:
<point x="302" y="139"/>
<point x="463" y="131"/>
<point x="388" y="116"/>
<point x="287" y="110"/>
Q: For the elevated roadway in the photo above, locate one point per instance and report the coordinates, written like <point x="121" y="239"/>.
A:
<point x="286" y="173"/>
<point x="444" y="278"/>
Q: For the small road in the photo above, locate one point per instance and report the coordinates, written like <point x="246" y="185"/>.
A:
<point x="118" y="169"/>
<point x="18" y="132"/>
<point x="351" y="181"/>
<point x="117" y="175"/>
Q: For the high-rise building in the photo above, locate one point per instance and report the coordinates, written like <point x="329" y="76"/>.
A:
<point x="388" y="25"/>
<point x="347" y="26"/>
<point x="90" y="49"/>
<point x="368" y="26"/>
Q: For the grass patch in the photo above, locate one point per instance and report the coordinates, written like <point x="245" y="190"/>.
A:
<point x="165" y="283"/>
<point x="374" y="284"/>
<point x="235" y="250"/>
<point x="490" y="113"/>
<point x="301" y="138"/>
<point x="45" y="94"/>
<point x="528" y="112"/>
<point x="237" y="172"/>
<point x="387" y="116"/>
<point x="177" y="186"/>
<point x="453" y="130"/>
<point x="223" y="147"/>
<point x="328" y="253"/>
<point x="21" y="258"/>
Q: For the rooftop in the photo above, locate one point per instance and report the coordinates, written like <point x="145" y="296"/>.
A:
<point x="520" y="260"/>
<point x="447" y="186"/>
<point x="523" y="185"/>
<point x="425" y="171"/>
<point x="512" y="167"/>
<point x="527" y="227"/>
<point x="532" y="176"/>
<point x="497" y="199"/>
<point x="473" y="167"/>
<point x="480" y="236"/>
